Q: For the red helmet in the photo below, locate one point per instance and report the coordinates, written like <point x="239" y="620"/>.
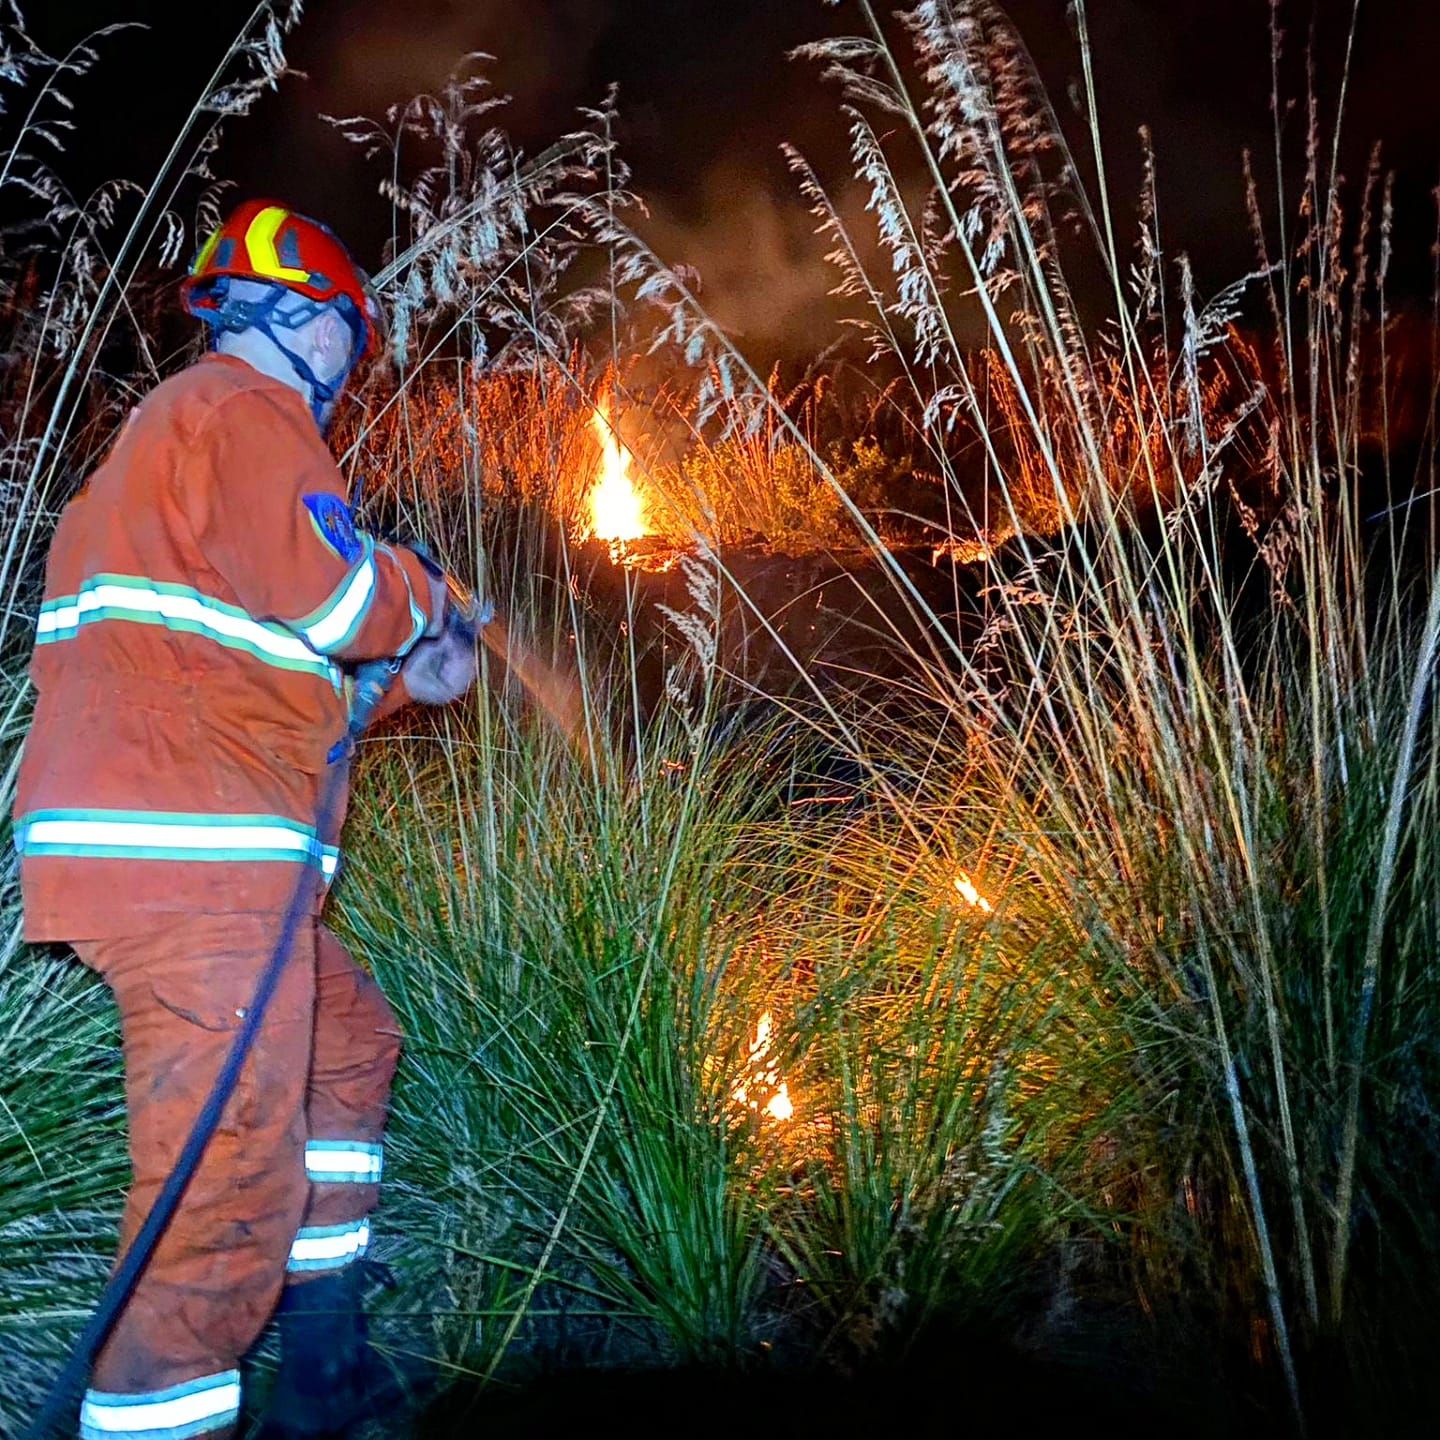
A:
<point x="264" y="241"/>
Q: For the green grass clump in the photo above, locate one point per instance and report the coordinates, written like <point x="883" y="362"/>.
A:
<point x="580" y="932"/>
<point x="62" y="1164"/>
<point x="585" y="1167"/>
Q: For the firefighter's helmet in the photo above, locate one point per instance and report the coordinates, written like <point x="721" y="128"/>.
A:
<point x="267" y="242"/>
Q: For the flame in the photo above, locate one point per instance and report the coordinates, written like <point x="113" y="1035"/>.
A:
<point x="616" y="509"/>
<point x="971" y="895"/>
<point x="963" y="552"/>
<point x="766" y="1073"/>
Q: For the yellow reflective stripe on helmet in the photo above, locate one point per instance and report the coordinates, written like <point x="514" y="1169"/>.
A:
<point x="206" y="251"/>
<point x="260" y="242"/>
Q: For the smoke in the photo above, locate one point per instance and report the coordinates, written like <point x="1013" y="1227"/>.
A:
<point x="762" y="272"/>
<point x="389" y="53"/>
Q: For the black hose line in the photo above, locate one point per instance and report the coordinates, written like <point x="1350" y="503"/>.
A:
<point x="121" y="1285"/>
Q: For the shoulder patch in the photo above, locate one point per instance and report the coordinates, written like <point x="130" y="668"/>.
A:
<point x="332" y="519"/>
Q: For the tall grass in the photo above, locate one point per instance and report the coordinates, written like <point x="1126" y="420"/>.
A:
<point x="582" y="1138"/>
<point x="1203" y="709"/>
<point x="584" y="939"/>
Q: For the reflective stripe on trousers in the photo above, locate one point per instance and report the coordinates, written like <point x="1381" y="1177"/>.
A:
<point x="198" y="1407"/>
<point x="332" y="1247"/>
<point x="341" y="1162"/>
<point x="327" y="1247"/>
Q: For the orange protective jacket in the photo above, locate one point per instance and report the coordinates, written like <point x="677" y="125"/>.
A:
<point x="199" y="593"/>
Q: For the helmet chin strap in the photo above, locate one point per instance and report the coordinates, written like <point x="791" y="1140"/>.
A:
<point x="232" y="316"/>
<point x="322" y="392"/>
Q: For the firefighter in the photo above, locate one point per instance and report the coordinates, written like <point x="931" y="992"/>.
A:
<point x="206" y="596"/>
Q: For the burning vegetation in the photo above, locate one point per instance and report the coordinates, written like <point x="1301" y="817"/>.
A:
<point x="761" y="1087"/>
<point x="613" y="505"/>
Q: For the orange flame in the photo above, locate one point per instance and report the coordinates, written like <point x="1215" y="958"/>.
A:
<point x="767" y="1075"/>
<point x="617" y="511"/>
<point x="971" y="895"/>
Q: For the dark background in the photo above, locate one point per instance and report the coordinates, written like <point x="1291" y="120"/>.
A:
<point x="707" y="95"/>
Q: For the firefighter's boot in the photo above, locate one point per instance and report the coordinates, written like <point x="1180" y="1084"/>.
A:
<point x="330" y="1378"/>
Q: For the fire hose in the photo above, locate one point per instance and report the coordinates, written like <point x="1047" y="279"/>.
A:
<point x="464" y="618"/>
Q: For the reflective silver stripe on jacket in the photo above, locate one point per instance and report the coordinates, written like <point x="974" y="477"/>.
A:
<point x="170" y="835"/>
<point x="181" y="609"/>
<point x="335" y="624"/>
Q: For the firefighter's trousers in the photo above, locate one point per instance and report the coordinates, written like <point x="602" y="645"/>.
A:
<point x="284" y="1189"/>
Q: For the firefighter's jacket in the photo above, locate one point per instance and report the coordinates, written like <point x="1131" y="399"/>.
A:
<point x="198" y="595"/>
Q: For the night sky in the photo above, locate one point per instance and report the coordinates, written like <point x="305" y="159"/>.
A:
<point x="707" y="95"/>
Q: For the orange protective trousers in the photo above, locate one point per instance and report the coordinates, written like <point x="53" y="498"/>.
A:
<point x="297" y="1152"/>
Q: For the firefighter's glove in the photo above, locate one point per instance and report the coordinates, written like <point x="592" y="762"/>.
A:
<point x="442" y="669"/>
